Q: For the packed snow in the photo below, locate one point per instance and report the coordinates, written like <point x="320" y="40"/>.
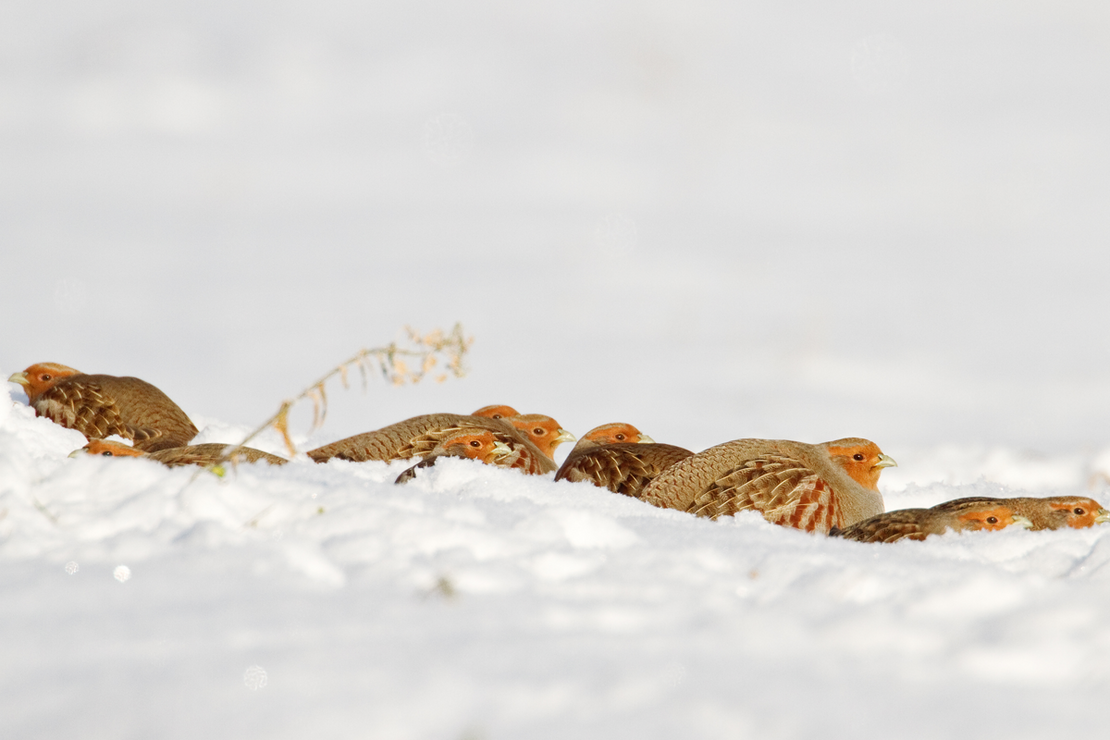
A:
<point x="712" y="220"/>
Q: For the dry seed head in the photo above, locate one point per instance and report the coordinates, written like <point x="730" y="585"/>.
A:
<point x="281" y="424"/>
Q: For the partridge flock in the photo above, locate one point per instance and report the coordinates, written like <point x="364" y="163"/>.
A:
<point x="828" y="488"/>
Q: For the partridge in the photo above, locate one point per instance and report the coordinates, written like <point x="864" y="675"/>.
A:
<point x="1050" y="512"/>
<point x="614" y="433"/>
<point x="496" y="412"/>
<point x="543" y="431"/>
<point x="624" y="467"/>
<point x="917" y="524"/>
<point x="203" y="454"/>
<point x="812" y="487"/>
<point x="419" y="435"/>
<point x="618" y="457"/>
<point x="101" y="405"/>
<point x="474" y="444"/>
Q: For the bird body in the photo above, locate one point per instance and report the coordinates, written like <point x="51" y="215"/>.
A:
<point x="917" y="524"/>
<point x="102" y="405"/>
<point x="419" y="435"/>
<point x="812" y="487"/>
<point x="625" y="467"/>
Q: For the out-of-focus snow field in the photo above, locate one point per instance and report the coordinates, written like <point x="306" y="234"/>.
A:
<point x="712" y="220"/>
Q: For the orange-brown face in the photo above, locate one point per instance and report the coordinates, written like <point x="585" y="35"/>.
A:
<point x="111" y="449"/>
<point x="474" y="445"/>
<point x="41" y="377"/>
<point x="997" y="517"/>
<point x="544" y="431"/>
<point x="496" y="412"/>
<point x="1080" y="512"/>
<point x="861" y="459"/>
<point x="608" y="434"/>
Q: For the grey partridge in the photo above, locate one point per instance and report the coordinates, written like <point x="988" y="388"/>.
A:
<point x="1049" y="512"/>
<point x="496" y="411"/>
<point x="917" y="524"/>
<point x="102" y="405"/>
<point x="544" y="432"/>
<point x="812" y="487"/>
<point x="625" y="467"/>
<point x="209" y="453"/>
<point x="419" y="435"/>
<point x="473" y="444"/>
<point x="614" y="433"/>
<point x="618" y="457"/>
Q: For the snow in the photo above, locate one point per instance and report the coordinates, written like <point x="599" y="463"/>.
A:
<point x="476" y="602"/>
<point x="802" y="221"/>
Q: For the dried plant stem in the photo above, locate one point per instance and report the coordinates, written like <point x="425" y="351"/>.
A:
<point x="425" y="349"/>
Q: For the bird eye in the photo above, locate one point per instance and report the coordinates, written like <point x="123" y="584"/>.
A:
<point x="992" y="520"/>
<point x="539" y="431"/>
<point x="475" y="443"/>
<point x="620" y="437"/>
<point x="107" y="453"/>
<point x="858" y="457"/>
<point x="1079" y="510"/>
<point x="45" y="376"/>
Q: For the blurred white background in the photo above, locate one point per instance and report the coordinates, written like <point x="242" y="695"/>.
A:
<point x="713" y="220"/>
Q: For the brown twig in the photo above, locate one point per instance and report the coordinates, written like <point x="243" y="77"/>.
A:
<point x="426" y="349"/>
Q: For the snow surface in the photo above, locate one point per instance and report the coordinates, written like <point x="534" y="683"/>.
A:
<point x="714" y="220"/>
<point x="324" y="601"/>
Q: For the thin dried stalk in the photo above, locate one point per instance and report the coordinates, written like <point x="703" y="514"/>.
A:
<point x="424" y="351"/>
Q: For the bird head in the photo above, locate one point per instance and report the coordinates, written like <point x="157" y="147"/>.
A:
<point x="615" y="433"/>
<point x="474" y="444"/>
<point x="1079" y="512"/>
<point x="107" y="448"/>
<point x="544" y="431"/>
<point x="991" y="517"/>
<point x="861" y="459"/>
<point x="496" y="412"/>
<point x="41" y="377"/>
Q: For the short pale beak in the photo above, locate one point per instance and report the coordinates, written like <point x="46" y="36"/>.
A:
<point x="79" y="452"/>
<point x="1022" y="521"/>
<point x="20" y="378"/>
<point x="885" y="461"/>
<point x="563" y="436"/>
<point x="645" y="440"/>
<point x="501" y="449"/>
<point x="1102" y="517"/>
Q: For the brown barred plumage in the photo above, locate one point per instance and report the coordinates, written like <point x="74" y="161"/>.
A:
<point x="102" y="405"/>
<point x="209" y="453"/>
<point x="419" y="435"/>
<point x="798" y="485"/>
<point x="917" y="524"/>
<point x="624" y="468"/>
